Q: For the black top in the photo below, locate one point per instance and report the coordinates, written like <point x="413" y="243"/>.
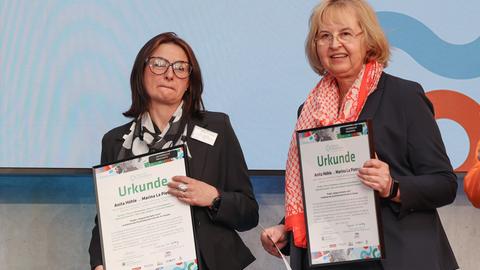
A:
<point x="222" y="166"/>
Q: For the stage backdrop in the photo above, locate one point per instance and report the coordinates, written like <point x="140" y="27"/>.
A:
<point x="65" y="67"/>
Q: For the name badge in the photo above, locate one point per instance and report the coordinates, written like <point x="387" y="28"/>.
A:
<point x="204" y="135"/>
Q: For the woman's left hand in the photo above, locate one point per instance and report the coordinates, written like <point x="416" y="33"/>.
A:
<point x="376" y="174"/>
<point x="192" y="191"/>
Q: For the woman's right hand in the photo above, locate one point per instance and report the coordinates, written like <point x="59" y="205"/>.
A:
<point x="275" y="234"/>
<point x="99" y="267"/>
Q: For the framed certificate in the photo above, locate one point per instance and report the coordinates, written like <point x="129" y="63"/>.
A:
<point x="342" y="214"/>
<point x="141" y="225"/>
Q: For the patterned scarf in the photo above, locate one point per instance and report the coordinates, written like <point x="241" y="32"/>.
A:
<point x="322" y="109"/>
<point x="143" y="138"/>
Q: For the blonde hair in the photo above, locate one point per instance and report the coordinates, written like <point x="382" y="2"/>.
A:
<point x="377" y="44"/>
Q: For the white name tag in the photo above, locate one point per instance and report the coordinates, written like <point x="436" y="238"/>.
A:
<point x="204" y="135"/>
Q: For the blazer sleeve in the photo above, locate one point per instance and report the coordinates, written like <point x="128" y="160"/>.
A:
<point x="432" y="183"/>
<point x="95" y="249"/>
<point x="238" y="209"/>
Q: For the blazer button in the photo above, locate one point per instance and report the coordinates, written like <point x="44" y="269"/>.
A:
<point x="198" y="223"/>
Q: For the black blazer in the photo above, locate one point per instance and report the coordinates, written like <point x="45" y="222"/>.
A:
<point x="221" y="165"/>
<point x="407" y="138"/>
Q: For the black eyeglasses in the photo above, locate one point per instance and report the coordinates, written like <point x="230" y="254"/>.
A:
<point x="159" y="66"/>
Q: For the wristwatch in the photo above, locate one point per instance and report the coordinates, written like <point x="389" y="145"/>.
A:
<point x="216" y="204"/>
<point x="393" y="189"/>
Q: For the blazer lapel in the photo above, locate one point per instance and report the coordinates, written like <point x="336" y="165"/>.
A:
<point x="197" y="149"/>
<point x="373" y="101"/>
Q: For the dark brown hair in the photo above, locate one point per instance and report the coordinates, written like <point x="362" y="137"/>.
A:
<point x="192" y="98"/>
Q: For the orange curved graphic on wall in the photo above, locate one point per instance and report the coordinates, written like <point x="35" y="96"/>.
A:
<point x="465" y="111"/>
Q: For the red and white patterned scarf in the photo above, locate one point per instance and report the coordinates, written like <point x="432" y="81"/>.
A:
<point x="322" y="109"/>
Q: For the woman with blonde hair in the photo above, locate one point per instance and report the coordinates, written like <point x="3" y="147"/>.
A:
<point x="412" y="173"/>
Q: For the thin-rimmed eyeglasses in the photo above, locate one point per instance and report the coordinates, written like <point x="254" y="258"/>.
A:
<point x="325" y="38"/>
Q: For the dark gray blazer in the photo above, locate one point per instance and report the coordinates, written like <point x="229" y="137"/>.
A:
<point x="407" y="138"/>
<point x="221" y="165"/>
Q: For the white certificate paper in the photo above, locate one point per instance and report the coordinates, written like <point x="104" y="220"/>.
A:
<point x="141" y="225"/>
<point x="341" y="212"/>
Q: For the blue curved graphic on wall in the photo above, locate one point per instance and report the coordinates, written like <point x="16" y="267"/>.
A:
<point x="440" y="57"/>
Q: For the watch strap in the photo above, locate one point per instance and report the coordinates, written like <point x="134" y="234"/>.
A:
<point x="393" y="189"/>
<point x="216" y="203"/>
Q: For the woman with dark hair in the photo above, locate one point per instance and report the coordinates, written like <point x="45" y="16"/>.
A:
<point x="166" y="85"/>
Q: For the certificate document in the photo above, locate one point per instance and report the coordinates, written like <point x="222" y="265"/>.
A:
<point x="342" y="215"/>
<point x="141" y="225"/>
